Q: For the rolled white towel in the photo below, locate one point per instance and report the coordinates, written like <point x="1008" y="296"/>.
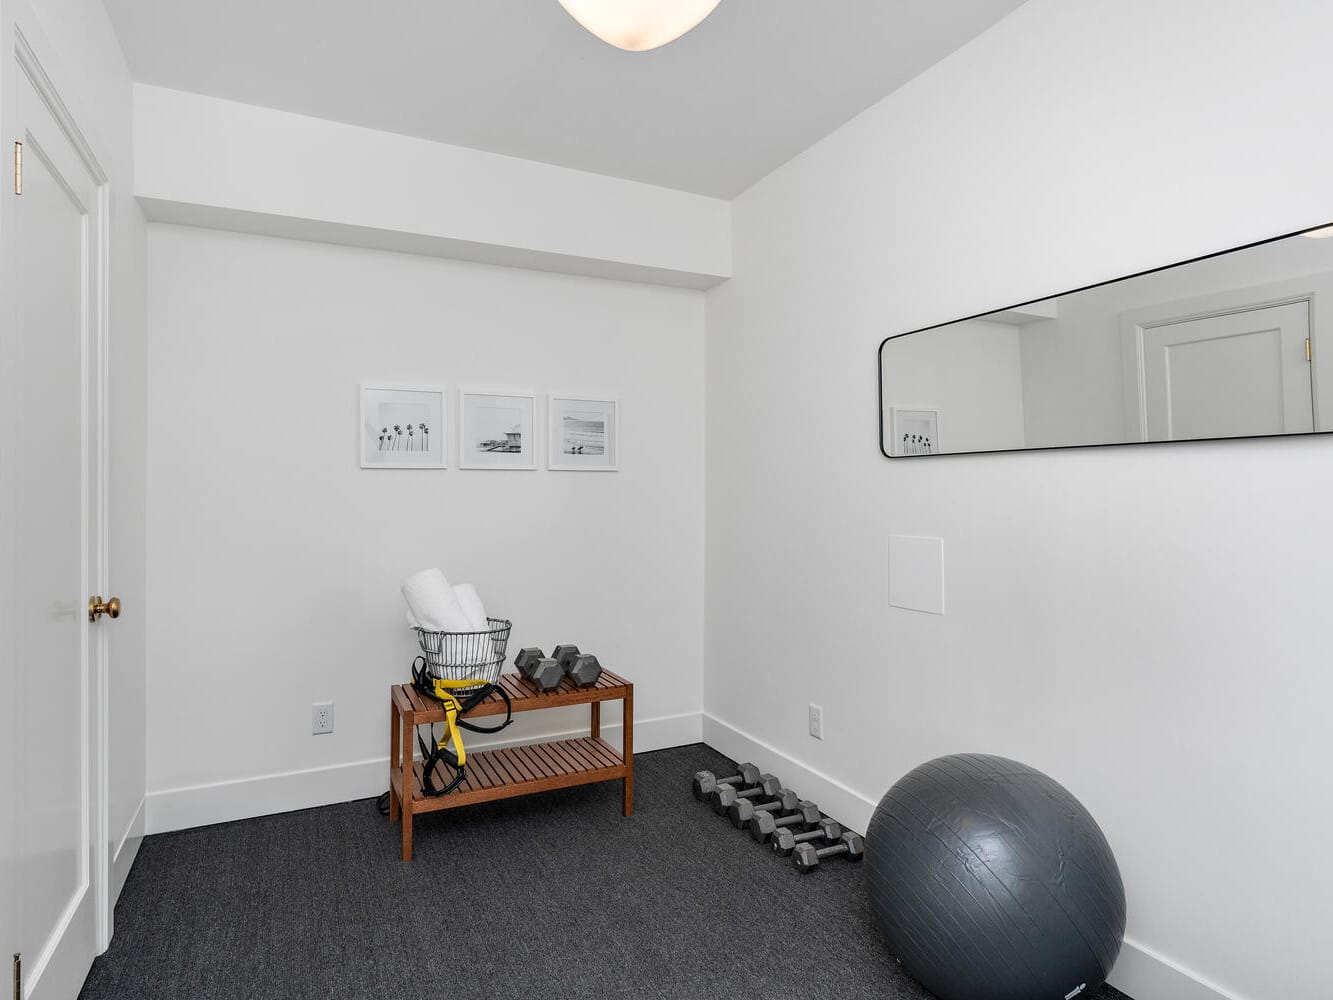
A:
<point x="431" y="601"/>
<point x="471" y="604"/>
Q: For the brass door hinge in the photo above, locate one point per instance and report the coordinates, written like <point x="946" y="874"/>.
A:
<point x="1309" y="350"/>
<point x="18" y="976"/>
<point x="18" y="168"/>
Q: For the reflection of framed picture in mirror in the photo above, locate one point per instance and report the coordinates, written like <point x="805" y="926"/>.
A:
<point x="401" y="427"/>
<point x="496" y="430"/>
<point x="914" y="431"/>
<point x="584" y="434"/>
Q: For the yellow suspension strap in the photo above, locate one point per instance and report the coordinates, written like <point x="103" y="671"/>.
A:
<point x="451" y="749"/>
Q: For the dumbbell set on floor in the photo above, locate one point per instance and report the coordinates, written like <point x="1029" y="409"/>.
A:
<point x="777" y="816"/>
<point x="547" y="672"/>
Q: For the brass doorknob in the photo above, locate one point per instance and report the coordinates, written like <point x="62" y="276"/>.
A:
<point x="97" y="607"/>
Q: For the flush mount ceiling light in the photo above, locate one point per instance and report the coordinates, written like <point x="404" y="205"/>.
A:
<point x="638" y="25"/>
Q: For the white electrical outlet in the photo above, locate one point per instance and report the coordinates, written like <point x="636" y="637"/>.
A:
<point x="321" y="717"/>
<point x="817" y="722"/>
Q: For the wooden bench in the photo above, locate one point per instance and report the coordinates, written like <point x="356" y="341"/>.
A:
<point x="509" y="771"/>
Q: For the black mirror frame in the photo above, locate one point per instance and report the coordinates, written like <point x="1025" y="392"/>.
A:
<point x="879" y="371"/>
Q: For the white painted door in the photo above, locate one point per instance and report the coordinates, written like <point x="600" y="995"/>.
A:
<point x="1237" y="374"/>
<point x="53" y="234"/>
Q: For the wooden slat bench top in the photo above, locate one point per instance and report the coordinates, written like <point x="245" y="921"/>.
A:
<point x="523" y="694"/>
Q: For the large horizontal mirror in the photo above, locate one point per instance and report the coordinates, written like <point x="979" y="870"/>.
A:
<point x="1226" y="346"/>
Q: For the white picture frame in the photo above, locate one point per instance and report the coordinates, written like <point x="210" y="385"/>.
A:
<point x="914" y="431"/>
<point x="402" y="426"/>
<point x="583" y="433"/>
<point x="497" y="430"/>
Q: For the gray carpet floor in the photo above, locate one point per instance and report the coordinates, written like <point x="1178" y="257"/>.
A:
<point x="547" y="896"/>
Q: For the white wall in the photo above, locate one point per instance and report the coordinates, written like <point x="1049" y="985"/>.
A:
<point x="1148" y="625"/>
<point x="276" y="560"/>
<point x="205" y="161"/>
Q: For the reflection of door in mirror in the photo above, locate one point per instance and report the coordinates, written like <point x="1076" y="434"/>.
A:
<point x="1241" y="373"/>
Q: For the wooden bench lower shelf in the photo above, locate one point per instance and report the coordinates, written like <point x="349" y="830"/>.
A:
<point x="506" y="772"/>
<point x="518" y="770"/>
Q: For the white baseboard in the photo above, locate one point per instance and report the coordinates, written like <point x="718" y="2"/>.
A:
<point x="1141" y="972"/>
<point x="262" y="795"/>
<point x="1146" y="974"/>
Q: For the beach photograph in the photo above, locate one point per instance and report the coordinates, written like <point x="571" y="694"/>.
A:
<point x="496" y="431"/>
<point x="582" y="434"/>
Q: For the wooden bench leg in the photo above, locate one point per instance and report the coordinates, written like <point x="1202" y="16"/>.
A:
<point x="409" y="727"/>
<point x="628" y="751"/>
<point x="395" y="722"/>
<point x="596" y="719"/>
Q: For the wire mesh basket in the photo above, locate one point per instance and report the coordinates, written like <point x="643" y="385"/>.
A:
<point x="465" y="656"/>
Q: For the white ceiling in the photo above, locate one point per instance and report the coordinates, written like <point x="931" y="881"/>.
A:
<point x="756" y="83"/>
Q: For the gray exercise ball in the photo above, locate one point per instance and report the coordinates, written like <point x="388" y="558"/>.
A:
<point x="991" y="882"/>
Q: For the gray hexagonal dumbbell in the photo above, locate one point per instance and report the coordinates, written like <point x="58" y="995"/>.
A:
<point x="705" y="783"/>
<point x="527" y="660"/>
<point x="547" y="675"/>
<point x="763" y="824"/>
<point x="742" y="811"/>
<point x="584" y="670"/>
<point x="724" y="796"/>
<point x="808" y="856"/>
<point x="784" y="841"/>
<point x="565" y="655"/>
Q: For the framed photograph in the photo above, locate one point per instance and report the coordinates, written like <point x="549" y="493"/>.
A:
<point x="496" y="430"/>
<point x="914" y="432"/>
<point x="402" y="426"/>
<point x="584" y="434"/>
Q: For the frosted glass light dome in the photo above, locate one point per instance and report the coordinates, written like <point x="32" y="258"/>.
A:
<point x="638" y="25"/>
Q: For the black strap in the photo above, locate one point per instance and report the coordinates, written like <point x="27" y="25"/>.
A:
<point x="476" y="699"/>
<point x="432" y="753"/>
<point x="421" y="681"/>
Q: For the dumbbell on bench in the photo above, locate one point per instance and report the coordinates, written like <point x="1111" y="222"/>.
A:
<point x="742" y="811"/>
<point x="583" y="669"/>
<point x="706" y="782"/>
<point x="527" y="659"/>
<point x="763" y="824"/>
<point x="537" y="667"/>
<point x="808" y="856"/>
<point x="724" y="797"/>
<point x="785" y="841"/>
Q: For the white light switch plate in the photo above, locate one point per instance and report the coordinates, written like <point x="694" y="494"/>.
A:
<point x="916" y="573"/>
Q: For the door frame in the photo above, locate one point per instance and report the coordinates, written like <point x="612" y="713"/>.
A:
<point x="28" y="54"/>
<point x="1135" y="322"/>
